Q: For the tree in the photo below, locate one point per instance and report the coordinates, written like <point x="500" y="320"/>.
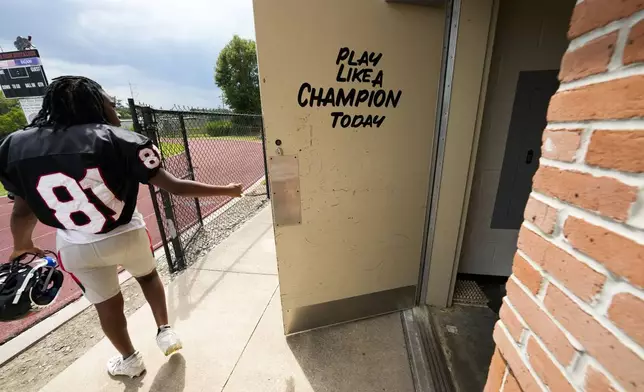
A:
<point x="122" y="109"/>
<point x="237" y="76"/>
<point x="11" y="116"/>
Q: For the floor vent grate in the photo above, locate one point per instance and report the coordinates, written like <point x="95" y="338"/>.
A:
<point x="467" y="292"/>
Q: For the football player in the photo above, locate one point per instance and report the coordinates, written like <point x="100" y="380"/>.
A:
<point x="74" y="169"/>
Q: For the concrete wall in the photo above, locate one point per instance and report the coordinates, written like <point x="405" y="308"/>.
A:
<point x="530" y="35"/>
<point x="363" y="190"/>
<point x="574" y="313"/>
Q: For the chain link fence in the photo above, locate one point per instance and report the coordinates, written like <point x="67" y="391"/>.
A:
<point x="207" y="146"/>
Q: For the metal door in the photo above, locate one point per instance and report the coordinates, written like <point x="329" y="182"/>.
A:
<point x="349" y="181"/>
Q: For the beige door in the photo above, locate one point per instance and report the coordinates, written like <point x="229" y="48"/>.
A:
<point x="349" y="92"/>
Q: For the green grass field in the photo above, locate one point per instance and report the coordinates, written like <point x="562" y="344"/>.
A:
<point x="171" y="149"/>
<point x="239" y="138"/>
<point x="3" y="192"/>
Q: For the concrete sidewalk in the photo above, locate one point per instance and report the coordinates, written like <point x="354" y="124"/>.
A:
<point x="227" y="310"/>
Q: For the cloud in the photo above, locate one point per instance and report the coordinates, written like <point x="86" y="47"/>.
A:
<point x="6" y="45"/>
<point x="152" y="91"/>
<point x="166" y="48"/>
<point x="147" y="89"/>
<point x="196" y="23"/>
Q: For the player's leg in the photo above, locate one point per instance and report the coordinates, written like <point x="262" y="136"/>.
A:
<point x="98" y="279"/>
<point x="114" y="323"/>
<point x="154" y="293"/>
<point x="142" y="265"/>
<point x="101" y="287"/>
<point x="167" y="339"/>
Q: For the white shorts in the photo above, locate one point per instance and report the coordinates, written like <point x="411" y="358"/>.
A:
<point x="94" y="266"/>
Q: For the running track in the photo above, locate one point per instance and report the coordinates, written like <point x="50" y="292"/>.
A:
<point x="216" y="162"/>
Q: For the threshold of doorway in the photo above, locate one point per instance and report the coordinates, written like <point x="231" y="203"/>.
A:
<point x="429" y="367"/>
<point x="450" y="348"/>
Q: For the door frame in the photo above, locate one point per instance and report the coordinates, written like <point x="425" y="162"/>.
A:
<point x="452" y="16"/>
<point x="469" y="41"/>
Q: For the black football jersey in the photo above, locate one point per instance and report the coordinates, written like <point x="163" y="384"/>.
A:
<point x="83" y="178"/>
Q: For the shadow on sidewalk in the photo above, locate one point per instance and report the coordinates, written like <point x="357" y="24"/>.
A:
<point x="362" y="356"/>
<point x="185" y="305"/>
<point x="171" y="377"/>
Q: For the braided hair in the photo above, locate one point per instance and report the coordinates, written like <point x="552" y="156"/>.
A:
<point x="71" y="100"/>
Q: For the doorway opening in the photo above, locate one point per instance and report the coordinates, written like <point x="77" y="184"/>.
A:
<point x="530" y="39"/>
<point x="529" y="43"/>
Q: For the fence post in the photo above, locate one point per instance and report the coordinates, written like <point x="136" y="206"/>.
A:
<point x="268" y="188"/>
<point x="168" y="208"/>
<point x="173" y="233"/>
<point x="135" y="119"/>
<point x="153" y="193"/>
<point x="184" y="134"/>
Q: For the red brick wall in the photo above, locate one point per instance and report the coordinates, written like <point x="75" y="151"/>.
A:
<point x="573" y="319"/>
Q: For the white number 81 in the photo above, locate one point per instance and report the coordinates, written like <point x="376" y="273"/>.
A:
<point x="150" y="157"/>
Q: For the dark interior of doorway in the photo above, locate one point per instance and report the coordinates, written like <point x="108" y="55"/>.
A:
<point x="466" y="327"/>
<point x="523" y="146"/>
<point x="493" y="287"/>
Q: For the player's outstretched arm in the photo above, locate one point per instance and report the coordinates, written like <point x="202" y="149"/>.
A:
<point x="187" y="188"/>
<point x="23" y="221"/>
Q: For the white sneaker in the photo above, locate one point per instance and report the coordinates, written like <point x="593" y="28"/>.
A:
<point x="131" y="367"/>
<point x="168" y="341"/>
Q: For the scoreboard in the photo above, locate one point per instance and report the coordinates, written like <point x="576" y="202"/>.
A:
<point x="22" y="74"/>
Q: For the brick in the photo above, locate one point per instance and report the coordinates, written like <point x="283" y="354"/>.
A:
<point x="529" y="276"/>
<point x="525" y="379"/>
<point x="560" y="145"/>
<point x="627" y="312"/>
<point x="546" y="370"/>
<point x="511" y="384"/>
<point x="600" y="343"/>
<point x="511" y="322"/>
<point x="541" y="324"/>
<point x="620" y="255"/>
<point x="541" y="214"/>
<point x="604" y="195"/>
<point x="591" y="14"/>
<point x="634" y="50"/>
<point x="495" y="373"/>
<point x="582" y="280"/>
<point x="597" y="382"/>
<point x="612" y="100"/>
<point x="619" y="150"/>
<point x="590" y="59"/>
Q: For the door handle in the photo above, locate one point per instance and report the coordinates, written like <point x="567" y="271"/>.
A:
<point x="529" y="156"/>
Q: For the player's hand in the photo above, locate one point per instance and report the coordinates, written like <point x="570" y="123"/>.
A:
<point x="235" y="190"/>
<point x="31" y="249"/>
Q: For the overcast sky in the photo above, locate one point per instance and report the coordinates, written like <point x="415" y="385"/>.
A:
<point x="166" y="48"/>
